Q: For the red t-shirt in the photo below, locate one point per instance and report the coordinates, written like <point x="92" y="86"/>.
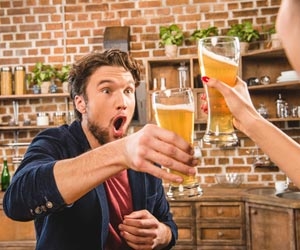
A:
<point x="120" y="203"/>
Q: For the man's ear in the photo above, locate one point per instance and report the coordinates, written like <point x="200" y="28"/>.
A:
<point x="80" y="103"/>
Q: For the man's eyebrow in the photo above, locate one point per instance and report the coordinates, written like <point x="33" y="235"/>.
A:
<point x="105" y="81"/>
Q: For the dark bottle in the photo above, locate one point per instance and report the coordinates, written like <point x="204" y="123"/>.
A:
<point x="5" y="176"/>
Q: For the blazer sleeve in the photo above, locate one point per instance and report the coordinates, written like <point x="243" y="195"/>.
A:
<point x="33" y="191"/>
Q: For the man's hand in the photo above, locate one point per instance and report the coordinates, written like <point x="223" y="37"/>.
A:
<point x="142" y="230"/>
<point x="154" y="145"/>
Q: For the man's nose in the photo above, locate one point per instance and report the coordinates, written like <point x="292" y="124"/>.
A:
<point x="121" y="102"/>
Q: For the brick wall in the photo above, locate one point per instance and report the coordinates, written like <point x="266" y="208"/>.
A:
<point x="59" y="31"/>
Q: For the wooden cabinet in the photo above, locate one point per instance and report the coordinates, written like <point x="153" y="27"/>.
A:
<point x="14" y="234"/>
<point x="267" y="96"/>
<point x="209" y="225"/>
<point x="167" y="69"/>
<point x="220" y="224"/>
<point x="271" y="227"/>
<point x="184" y="215"/>
<point x="270" y="63"/>
<point x="258" y="63"/>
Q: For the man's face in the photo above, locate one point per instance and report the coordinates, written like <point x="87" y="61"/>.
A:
<point x="110" y="103"/>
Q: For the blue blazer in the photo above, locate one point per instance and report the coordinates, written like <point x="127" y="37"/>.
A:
<point x="33" y="195"/>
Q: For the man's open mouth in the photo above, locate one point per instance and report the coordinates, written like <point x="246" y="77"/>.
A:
<point x="118" y="124"/>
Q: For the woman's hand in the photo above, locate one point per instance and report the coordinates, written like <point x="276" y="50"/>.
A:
<point x="238" y="101"/>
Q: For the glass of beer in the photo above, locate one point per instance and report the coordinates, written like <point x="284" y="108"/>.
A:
<point x="174" y="110"/>
<point x="219" y="58"/>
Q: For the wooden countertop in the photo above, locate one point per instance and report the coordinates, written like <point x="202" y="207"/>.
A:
<point x="261" y="195"/>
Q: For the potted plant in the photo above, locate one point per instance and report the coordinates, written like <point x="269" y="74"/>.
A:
<point x="43" y="74"/>
<point x="275" y="40"/>
<point x="202" y="33"/>
<point x="63" y="75"/>
<point x="171" y="37"/>
<point x="246" y="34"/>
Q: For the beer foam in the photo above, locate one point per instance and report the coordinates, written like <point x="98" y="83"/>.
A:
<point x="187" y="107"/>
<point x="220" y="58"/>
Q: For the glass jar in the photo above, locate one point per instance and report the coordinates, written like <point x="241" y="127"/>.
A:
<point x="59" y="118"/>
<point x="263" y="111"/>
<point x="42" y="119"/>
<point x="6" y="80"/>
<point x="19" y="80"/>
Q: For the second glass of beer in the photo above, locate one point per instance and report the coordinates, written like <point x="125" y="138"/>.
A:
<point x="219" y="59"/>
<point x="174" y="110"/>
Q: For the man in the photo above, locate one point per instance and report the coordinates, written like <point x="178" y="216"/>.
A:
<point x="78" y="182"/>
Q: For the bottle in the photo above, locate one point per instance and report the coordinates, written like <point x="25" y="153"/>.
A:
<point x="5" y="176"/>
<point x="154" y="84"/>
<point x="162" y="83"/>
<point x="286" y="110"/>
<point x="279" y="106"/>
<point x="182" y="75"/>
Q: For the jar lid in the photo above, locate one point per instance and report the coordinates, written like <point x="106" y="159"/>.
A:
<point x="59" y="113"/>
<point x="19" y="67"/>
<point x="41" y="114"/>
<point x="6" y="68"/>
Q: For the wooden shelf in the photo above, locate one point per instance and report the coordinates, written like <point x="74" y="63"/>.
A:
<point x="265" y="53"/>
<point x="15" y="144"/>
<point x="282" y="85"/>
<point x="288" y="119"/>
<point x="31" y="127"/>
<point x="33" y="96"/>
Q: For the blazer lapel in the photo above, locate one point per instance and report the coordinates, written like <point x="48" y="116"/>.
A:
<point x="104" y="212"/>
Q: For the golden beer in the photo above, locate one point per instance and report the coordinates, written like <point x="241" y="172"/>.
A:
<point x="215" y="64"/>
<point x="179" y="119"/>
<point x="174" y="110"/>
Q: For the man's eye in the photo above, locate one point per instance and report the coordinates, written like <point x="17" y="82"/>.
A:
<point x="105" y="91"/>
<point x="129" y="91"/>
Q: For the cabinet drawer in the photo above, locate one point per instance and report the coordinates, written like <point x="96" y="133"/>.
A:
<point x="182" y="210"/>
<point x="184" y="247"/>
<point x="186" y="233"/>
<point x="217" y="247"/>
<point x="220" y="211"/>
<point x="218" y="234"/>
<point x="11" y="230"/>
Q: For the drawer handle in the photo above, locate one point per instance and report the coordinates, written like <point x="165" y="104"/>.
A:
<point x="254" y="212"/>
<point x="220" y="234"/>
<point x="219" y="211"/>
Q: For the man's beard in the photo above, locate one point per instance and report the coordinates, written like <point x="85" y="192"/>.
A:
<point x="101" y="134"/>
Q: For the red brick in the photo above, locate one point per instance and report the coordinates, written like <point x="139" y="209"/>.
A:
<point x="18" y="11"/>
<point x="30" y="27"/>
<point x="122" y="6"/>
<point x="46" y="43"/>
<point x="176" y="2"/>
<point x="97" y="7"/>
<point x="20" y="44"/>
<point x="44" y="10"/>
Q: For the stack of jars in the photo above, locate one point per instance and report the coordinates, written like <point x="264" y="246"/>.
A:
<point x="13" y="83"/>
